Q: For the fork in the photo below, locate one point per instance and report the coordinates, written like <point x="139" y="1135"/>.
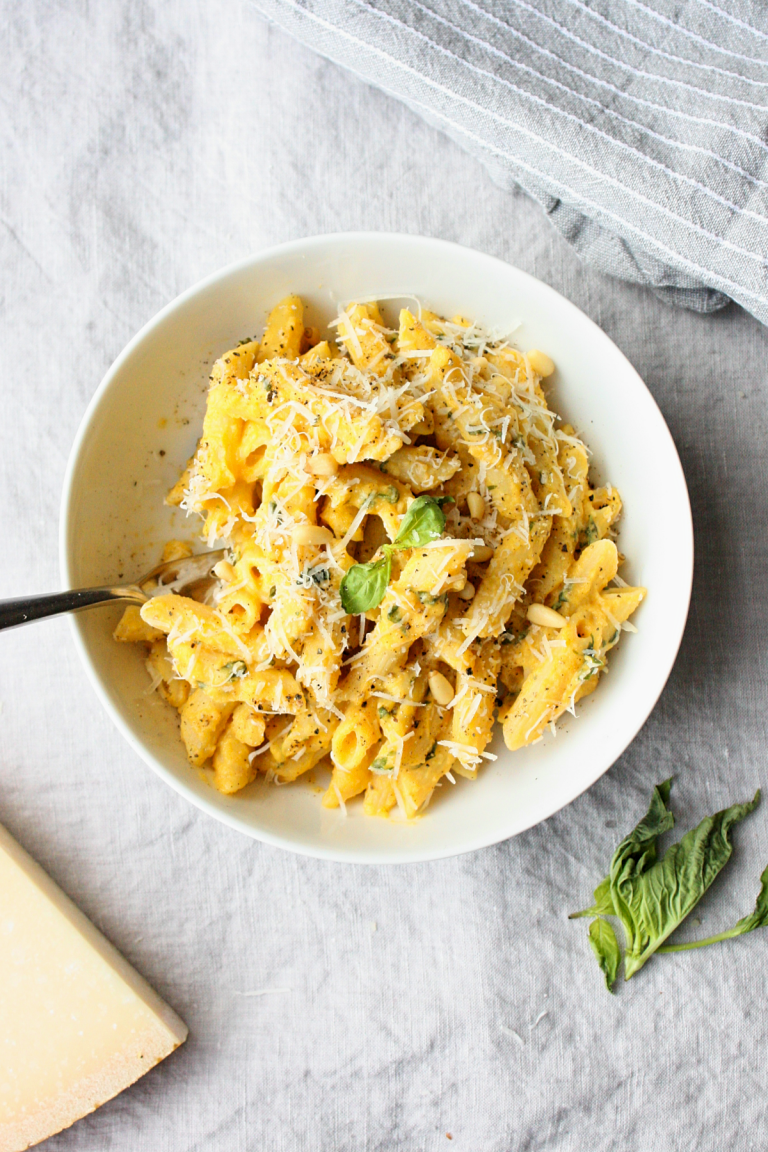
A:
<point x="185" y="575"/>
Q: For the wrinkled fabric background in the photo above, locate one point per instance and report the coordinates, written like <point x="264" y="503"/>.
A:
<point x="145" y="145"/>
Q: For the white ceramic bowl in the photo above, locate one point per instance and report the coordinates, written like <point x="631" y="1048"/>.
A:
<point x="143" y="423"/>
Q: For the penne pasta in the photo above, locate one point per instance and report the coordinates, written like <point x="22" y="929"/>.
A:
<point x="415" y="552"/>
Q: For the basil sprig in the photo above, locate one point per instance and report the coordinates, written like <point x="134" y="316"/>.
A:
<point x="652" y="897"/>
<point x="364" y="585"/>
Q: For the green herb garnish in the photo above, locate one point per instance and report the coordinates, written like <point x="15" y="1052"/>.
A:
<point x="317" y="575"/>
<point x="560" y="600"/>
<point x="652" y="897"/>
<point x="605" y="946"/>
<point x="380" y="766"/>
<point x="365" y="585"/>
<point x="424" y="521"/>
<point x="428" y="599"/>
<point x="390" y="495"/>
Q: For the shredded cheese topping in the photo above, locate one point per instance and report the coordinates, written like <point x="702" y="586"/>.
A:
<point x="311" y="453"/>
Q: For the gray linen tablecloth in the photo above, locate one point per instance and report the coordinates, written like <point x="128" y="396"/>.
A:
<point x="144" y="146"/>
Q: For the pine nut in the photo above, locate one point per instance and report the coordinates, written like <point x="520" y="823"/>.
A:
<point x="441" y="689"/>
<point x="311" y="534"/>
<point x="468" y="591"/>
<point x="482" y="553"/>
<point x="476" y="505"/>
<point x="541" y="364"/>
<point x="322" y="465"/>
<point x="224" y="571"/>
<point x="545" y="617"/>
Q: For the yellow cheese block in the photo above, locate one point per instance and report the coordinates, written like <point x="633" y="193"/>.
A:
<point x="77" y="1023"/>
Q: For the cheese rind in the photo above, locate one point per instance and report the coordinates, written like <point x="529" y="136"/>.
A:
<point x="77" y="1022"/>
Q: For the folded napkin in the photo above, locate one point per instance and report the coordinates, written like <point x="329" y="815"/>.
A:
<point x="640" y="127"/>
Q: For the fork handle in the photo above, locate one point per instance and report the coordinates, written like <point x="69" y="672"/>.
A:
<point x="28" y="608"/>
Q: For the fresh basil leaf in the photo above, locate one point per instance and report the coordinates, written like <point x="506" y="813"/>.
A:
<point x="424" y="521"/>
<point x="756" y="919"/>
<point x="642" y="843"/>
<point x="652" y="901"/>
<point x="603" y="905"/>
<point x="652" y="897"/>
<point x="364" y="585"/>
<point x="606" y="948"/>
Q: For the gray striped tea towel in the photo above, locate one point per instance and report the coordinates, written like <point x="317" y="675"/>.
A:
<point x="640" y="127"/>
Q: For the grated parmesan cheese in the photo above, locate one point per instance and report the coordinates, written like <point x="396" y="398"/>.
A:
<point x="491" y="405"/>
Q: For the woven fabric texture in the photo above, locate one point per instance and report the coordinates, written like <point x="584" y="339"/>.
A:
<point x="640" y="128"/>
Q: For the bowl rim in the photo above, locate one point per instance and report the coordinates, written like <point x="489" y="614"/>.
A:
<point x="347" y="855"/>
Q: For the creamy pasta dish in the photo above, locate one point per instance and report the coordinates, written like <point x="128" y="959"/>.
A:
<point x="415" y="552"/>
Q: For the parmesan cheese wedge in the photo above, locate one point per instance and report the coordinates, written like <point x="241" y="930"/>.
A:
<point x="77" y="1023"/>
